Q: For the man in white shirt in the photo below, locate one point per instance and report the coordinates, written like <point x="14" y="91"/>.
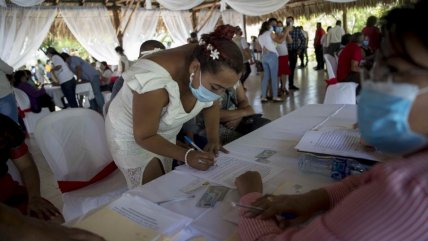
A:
<point x="245" y="49"/>
<point x="8" y="105"/>
<point x="334" y="37"/>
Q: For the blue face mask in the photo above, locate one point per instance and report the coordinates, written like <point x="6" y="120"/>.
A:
<point x="202" y="93"/>
<point x="383" y="110"/>
<point x="365" y="43"/>
<point x="279" y="29"/>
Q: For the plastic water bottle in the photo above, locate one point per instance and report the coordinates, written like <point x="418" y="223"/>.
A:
<point x="335" y="167"/>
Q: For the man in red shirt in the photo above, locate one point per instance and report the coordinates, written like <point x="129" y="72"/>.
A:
<point x="318" y="47"/>
<point x="372" y="34"/>
<point x="349" y="60"/>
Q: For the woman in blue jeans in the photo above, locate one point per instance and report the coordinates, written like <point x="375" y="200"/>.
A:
<point x="267" y="37"/>
<point x="64" y="75"/>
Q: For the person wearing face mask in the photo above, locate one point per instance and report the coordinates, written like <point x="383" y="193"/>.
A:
<point x="388" y="202"/>
<point x="162" y="91"/>
<point x="267" y="39"/>
<point x="372" y="35"/>
<point x="283" y="66"/>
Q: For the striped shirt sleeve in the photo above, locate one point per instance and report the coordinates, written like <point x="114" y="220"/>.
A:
<point x="389" y="206"/>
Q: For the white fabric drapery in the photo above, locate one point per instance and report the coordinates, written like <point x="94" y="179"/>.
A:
<point x="210" y="23"/>
<point x="141" y="27"/>
<point x="179" y="4"/>
<point x="233" y="18"/>
<point x="22" y="31"/>
<point x="255" y="7"/>
<point x="179" y="25"/>
<point x="93" y="29"/>
<point x="27" y="3"/>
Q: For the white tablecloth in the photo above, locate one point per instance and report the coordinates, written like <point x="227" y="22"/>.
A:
<point x="55" y="92"/>
<point x="281" y="135"/>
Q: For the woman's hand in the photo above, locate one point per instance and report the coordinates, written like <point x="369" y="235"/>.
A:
<point x="43" y="209"/>
<point x="302" y="207"/>
<point x="200" y="160"/>
<point x="214" y="147"/>
<point x="249" y="182"/>
<point x="233" y="123"/>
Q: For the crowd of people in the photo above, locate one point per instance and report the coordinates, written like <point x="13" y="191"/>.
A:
<point x="201" y="85"/>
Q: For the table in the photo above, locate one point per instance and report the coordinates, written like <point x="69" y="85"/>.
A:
<point x="55" y="92"/>
<point x="281" y="135"/>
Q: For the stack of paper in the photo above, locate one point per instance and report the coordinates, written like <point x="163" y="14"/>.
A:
<point x="135" y="218"/>
<point x="338" y="142"/>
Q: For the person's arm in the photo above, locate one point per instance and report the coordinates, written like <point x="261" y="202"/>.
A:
<point x="212" y="126"/>
<point x="302" y="40"/>
<point x="278" y="38"/>
<point x="5" y="68"/>
<point x="15" y="227"/>
<point x="356" y="59"/>
<point x="30" y="177"/>
<point x="146" y="115"/>
<point x="244" y="107"/>
<point x="30" y="90"/>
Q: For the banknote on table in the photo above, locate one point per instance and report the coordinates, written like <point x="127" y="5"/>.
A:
<point x="266" y="154"/>
<point x="212" y="196"/>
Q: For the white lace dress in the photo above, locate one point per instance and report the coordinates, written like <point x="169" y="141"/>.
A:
<point x="142" y="77"/>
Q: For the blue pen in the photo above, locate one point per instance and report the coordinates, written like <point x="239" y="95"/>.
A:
<point x="192" y="143"/>
<point x="255" y="209"/>
<point x="195" y="146"/>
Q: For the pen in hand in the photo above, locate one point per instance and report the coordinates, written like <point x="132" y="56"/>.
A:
<point x="186" y="138"/>
<point x="258" y="210"/>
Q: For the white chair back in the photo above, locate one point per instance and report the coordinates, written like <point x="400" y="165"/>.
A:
<point x="74" y="143"/>
<point x="22" y="99"/>
<point x="341" y="93"/>
<point x="333" y="62"/>
<point x="30" y="119"/>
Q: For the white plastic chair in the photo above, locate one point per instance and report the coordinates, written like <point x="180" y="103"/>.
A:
<point x="341" y="93"/>
<point x="73" y="141"/>
<point x="30" y="119"/>
<point x="333" y="62"/>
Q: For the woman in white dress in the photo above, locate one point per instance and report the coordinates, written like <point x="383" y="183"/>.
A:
<point x="161" y="92"/>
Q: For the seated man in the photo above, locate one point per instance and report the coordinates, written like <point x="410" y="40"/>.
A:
<point x="237" y="117"/>
<point x="348" y="66"/>
<point x="26" y="198"/>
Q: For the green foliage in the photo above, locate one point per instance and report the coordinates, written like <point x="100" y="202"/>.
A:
<point x="69" y="45"/>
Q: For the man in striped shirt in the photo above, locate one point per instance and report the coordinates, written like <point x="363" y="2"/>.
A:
<point x="389" y="202"/>
<point x="294" y="47"/>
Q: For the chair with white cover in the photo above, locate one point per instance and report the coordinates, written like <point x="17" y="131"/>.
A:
<point x="73" y="141"/>
<point x="341" y="93"/>
<point x="30" y="118"/>
<point x="333" y="62"/>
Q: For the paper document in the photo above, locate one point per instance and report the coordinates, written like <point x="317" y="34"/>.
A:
<point x="228" y="168"/>
<point x="150" y="215"/>
<point x="339" y="142"/>
<point x="114" y="227"/>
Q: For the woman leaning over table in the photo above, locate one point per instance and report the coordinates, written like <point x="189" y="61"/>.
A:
<point x="161" y="92"/>
<point x="390" y="202"/>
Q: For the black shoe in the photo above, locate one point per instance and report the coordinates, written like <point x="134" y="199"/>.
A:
<point x="293" y="87"/>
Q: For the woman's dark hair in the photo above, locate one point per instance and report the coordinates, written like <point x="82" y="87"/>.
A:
<point x="346" y="38"/>
<point x="265" y="27"/>
<point x="17" y="76"/>
<point x="104" y="63"/>
<point x="401" y="21"/>
<point x="371" y="21"/>
<point x="228" y="52"/>
<point x="119" y="49"/>
<point x="52" y="51"/>
<point x="64" y="56"/>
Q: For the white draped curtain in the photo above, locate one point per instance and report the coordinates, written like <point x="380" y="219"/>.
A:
<point x="255" y="7"/>
<point x="233" y="18"/>
<point x="210" y="23"/>
<point x="22" y="31"/>
<point x="178" y="24"/>
<point x="94" y="30"/>
<point x="22" y="3"/>
<point x="141" y="27"/>
<point x="179" y="4"/>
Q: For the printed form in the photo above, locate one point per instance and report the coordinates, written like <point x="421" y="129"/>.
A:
<point x="229" y="168"/>
<point x="340" y="142"/>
